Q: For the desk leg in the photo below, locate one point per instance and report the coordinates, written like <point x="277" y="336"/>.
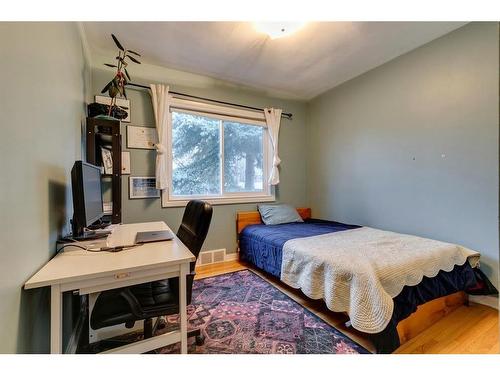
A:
<point x="56" y="320"/>
<point x="183" y="306"/>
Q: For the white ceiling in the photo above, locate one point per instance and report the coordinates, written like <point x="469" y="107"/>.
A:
<point x="318" y="57"/>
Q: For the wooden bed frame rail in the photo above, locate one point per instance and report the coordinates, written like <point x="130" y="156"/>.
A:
<point x="253" y="217"/>
<point x="426" y="314"/>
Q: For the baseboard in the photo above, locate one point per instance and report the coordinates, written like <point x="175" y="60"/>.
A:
<point x="232" y="256"/>
<point x="491" y="301"/>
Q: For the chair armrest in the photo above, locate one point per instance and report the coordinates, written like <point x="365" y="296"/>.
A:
<point x="135" y="306"/>
<point x="112" y="305"/>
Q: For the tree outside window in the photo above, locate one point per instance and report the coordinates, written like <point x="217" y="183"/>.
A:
<point x="212" y="157"/>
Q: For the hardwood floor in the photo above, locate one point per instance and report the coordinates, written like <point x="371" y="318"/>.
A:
<point x="468" y="330"/>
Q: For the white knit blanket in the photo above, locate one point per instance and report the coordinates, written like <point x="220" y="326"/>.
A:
<point x="359" y="271"/>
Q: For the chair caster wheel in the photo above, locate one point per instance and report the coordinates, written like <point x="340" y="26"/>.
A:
<point x="200" y="340"/>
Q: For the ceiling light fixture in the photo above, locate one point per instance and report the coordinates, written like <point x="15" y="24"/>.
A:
<point x="278" y="29"/>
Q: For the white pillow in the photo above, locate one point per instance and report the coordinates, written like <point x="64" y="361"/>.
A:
<point x="278" y="213"/>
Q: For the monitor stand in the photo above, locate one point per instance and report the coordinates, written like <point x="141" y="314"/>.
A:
<point x="99" y="224"/>
<point x="91" y="235"/>
<point x="80" y="234"/>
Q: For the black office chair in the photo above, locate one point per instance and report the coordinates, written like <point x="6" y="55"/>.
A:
<point x="159" y="298"/>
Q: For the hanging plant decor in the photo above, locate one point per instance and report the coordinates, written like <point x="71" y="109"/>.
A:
<point x="117" y="85"/>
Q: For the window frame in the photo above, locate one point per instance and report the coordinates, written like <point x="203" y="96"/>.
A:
<point x="222" y="114"/>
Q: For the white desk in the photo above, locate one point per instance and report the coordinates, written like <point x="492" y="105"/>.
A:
<point x="91" y="272"/>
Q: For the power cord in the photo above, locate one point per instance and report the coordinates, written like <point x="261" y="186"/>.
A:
<point x="72" y="245"/>
<point x="115" y="248"/>
<point x="99" y="249"/>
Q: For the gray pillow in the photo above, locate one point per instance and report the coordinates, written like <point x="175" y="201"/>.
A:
<point x="278" y="213"/>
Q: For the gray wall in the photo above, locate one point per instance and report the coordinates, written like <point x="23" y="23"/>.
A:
<point x="222" y="234"/>
<point x="43" y="78"/>
<point x="373" y="149"/>
<point x="412" y="146"/>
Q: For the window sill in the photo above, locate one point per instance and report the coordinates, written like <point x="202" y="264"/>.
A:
<point x="218" y="201"/>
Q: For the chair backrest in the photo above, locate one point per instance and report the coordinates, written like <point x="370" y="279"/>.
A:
<point x="194" y="227"/>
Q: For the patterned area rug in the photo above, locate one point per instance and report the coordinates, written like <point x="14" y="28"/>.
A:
<point x="241" y="312"/>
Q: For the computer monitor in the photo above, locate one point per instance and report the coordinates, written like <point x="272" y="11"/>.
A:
<point x="87" y="197"/>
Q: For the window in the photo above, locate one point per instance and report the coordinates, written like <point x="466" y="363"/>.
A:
<point x="219" y="158"/>
<point x="243" y="157"/>
<point x="196" y="160"/>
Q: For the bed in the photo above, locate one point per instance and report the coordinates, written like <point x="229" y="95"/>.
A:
<point x="296" y="252"/>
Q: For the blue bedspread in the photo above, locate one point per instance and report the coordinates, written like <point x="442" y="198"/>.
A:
<point x="262" y="245"/>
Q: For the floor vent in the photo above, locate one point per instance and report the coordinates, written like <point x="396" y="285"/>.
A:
<point x="212" y="256"/>
<point x="219" y="255"/>
<point x="205" y="257"/>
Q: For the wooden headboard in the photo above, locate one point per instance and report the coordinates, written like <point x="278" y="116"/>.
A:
<point x="253" y="217"/>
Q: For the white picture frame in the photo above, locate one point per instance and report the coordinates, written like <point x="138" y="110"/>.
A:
<point x="122" y="103"/>
<point x="141" y="137"/>
<point x="107" y="161"/>
<point x="143" y="187"/>
<point x="125" y="162"/>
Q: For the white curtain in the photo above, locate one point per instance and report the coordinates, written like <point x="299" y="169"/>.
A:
<point x="161" y="107"/>
<point x="273" y="119"/>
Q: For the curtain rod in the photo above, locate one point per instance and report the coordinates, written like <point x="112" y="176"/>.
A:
<point x="286" y="115"/>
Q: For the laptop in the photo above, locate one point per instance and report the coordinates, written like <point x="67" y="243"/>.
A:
<point x="153" y="236"/>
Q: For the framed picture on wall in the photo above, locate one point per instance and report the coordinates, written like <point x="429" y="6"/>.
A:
<point x="125" y="162"/>
<point x="143" y="187"/>
<point x="141" y="137"/>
